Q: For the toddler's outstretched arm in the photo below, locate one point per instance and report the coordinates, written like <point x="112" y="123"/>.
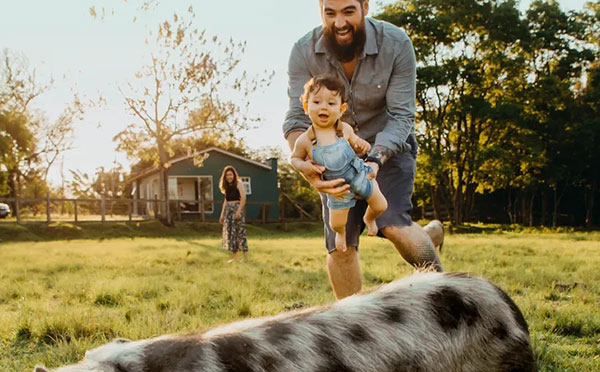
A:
<point x="359" y="145"/>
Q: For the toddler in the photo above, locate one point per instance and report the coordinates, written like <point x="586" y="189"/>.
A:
<point x="333" y="144"/>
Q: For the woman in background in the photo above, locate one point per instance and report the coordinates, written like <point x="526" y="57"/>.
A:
<point x="232" y="214"/>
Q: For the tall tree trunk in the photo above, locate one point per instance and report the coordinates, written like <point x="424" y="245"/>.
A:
<point x="435" y="201"/>
<point x="444" y="195"/>
<point x="457" y="204"/>
<point x="515" y="205"/>
<point x="544" y="208"/>
<point x="458" y="200"/>
<point x="555" y="208"/>
<point x="509" y="207"/>
<point x="531" y="201"/>
<point x="164" y="181"/>
<point x="589" y="195"/>
<point x="469" y="202"/>
<point x="14" y="189"/>
<point x="523" y="211"/>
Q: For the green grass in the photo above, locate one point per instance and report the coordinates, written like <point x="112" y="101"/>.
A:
<point x="59" y="298"/>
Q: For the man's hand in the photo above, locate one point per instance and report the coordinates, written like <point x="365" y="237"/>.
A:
<point x="312" y="173"/>
<point x="221" y="219"/>
<point x="374" y="170"/>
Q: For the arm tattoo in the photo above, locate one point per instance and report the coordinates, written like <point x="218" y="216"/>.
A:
<point x="381" y="153"/>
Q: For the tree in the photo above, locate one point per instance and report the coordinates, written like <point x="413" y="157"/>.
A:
<point x="468" y="64"/>
<point x="497" y="100"/>
<point x="181" y="91"/>
<point x="31" y="143"/>
<point x="18" y="88"/>
<point x="557" y="55"/>
<point x="17" y="142"/>
<point x="104" y="182"/>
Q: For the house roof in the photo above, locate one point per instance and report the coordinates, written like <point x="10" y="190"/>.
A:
<point x="151" y="170"/>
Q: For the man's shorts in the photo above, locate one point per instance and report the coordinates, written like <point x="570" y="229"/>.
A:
<point x="396" y="179"/>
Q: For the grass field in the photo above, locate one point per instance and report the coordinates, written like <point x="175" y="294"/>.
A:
<point x="59" y="298"/>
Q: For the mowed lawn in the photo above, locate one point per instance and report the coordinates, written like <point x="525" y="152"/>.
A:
<point x="60" y="298"/>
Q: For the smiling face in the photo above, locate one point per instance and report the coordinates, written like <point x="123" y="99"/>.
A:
<point x="344" y="27"/>
<point x="229" y="176"/>
<point x="324" y="107"/>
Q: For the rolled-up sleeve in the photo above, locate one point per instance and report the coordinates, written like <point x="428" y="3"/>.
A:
<point x="400" y="98"/>
<point x="298" y="75"/>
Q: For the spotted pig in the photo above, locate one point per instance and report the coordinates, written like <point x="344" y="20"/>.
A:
<point x="426" y="322"/>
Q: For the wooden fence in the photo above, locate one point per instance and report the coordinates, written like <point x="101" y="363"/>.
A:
<point x="44" y="210"/>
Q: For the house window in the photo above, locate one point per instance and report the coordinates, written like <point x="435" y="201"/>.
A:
<point x="247" y="185"/>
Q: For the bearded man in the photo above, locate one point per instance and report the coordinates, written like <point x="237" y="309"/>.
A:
<point x="376" y="61"/>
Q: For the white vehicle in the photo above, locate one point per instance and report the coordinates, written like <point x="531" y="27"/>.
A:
<point x="4" y="210"/>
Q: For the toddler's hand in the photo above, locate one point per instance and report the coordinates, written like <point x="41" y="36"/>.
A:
<point x="374" y="170"/>
<point x="362" y="146"/>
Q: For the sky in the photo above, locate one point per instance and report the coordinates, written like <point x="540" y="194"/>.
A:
<point x="93" y="57"/>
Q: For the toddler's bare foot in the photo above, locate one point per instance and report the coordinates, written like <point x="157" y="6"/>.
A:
<point x="340" y="242"/>
<point x="371" y="226"/>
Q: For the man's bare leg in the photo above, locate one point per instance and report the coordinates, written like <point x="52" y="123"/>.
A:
<point x="415" y="246"/>
<point x="344" y="272"/>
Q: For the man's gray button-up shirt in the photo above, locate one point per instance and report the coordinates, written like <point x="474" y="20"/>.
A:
<point x="381" y="94"/>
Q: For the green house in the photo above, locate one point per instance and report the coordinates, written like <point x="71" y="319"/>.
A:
<point x="194" y="190"/>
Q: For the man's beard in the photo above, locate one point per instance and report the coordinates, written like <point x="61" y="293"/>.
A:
<point x="345" y="53"/>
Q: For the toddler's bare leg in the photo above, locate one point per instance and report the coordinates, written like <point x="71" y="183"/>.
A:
<point x="337" y="221"/>
<point x="377" y="205"/>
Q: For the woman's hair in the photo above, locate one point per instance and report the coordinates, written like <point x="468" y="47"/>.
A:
<point x="223" y="181"/>
<point x="331" y="82"/>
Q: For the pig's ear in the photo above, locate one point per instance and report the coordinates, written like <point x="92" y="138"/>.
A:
<point x="40" y="369"/>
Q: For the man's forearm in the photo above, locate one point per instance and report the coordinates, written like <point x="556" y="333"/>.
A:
<point x="292" y="137"/>
<point x="296" y="163"/>
<point x="379" y="154"/>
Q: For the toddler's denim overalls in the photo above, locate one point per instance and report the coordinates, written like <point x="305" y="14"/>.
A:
<point x="340" y="161"/>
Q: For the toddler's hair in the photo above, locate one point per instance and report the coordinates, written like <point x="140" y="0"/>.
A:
<point x="331" y="82"/>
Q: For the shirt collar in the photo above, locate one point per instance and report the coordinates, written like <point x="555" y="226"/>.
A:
<point x="370" y="43"/>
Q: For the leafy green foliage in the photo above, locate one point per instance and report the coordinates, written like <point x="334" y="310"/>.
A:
<point x="179" y="93"/>
<point x="499" y="101"/>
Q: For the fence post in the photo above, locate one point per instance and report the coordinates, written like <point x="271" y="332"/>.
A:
<point x="75" y="209"/>
<point x="282" y="215"/>
<point x="130" y="208"/>
<point x="102" y="207"/>
<point x="18" y="210"/>
<point x="48" y="207"/>
<point x="178" y="209"/>
<point x="155" y="207"/>
<point x="264" y="213"/>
